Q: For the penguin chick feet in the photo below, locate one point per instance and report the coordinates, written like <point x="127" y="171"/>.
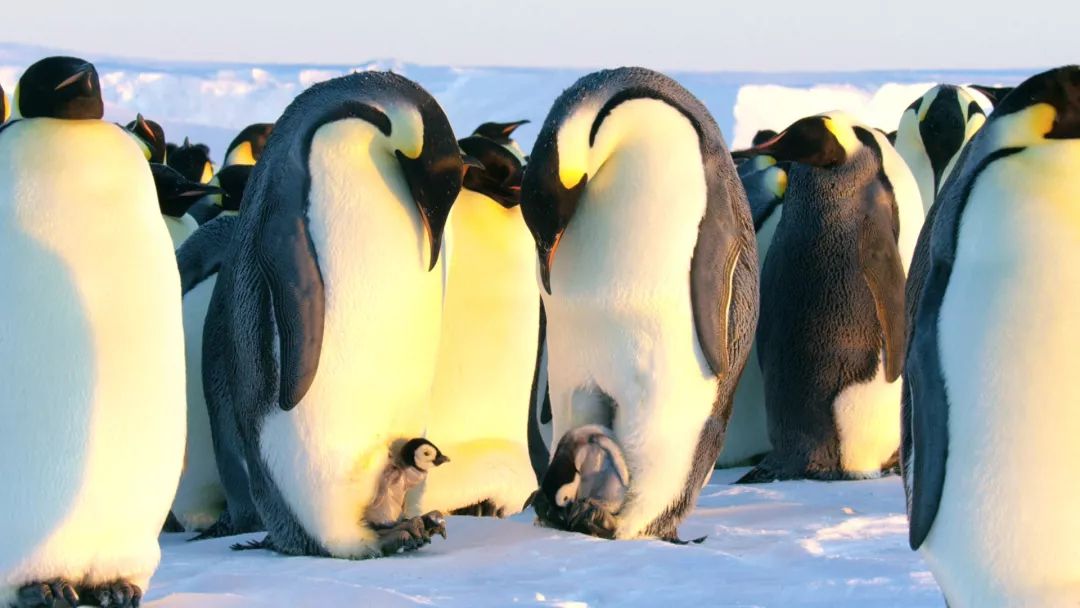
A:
<point x="117" y="594"/>
<point x="45" y="595"/>
<point x="434" y="523"/>
<point x="406" y="535"/>
<point x="587" y="517"/>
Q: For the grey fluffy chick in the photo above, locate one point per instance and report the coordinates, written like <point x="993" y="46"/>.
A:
<point x="407" y="468"/>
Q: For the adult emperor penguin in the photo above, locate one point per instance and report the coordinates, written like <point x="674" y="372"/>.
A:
<point x="933" y="130"/>
<point x="647" y="263"/>
<point x="830" y="339"/>
<point x="502" y="134"/>
<point x="488" y="346"/>
<point x="200" y="497"/>
<point x="332" y="303"/>
<point x="192" y="160"/>
<point x="176" y="194"/>
<point x="247" y="147"/>
<point x="990" y="402"/>
<point x="747" y="435"/>
<point x="90" y="332"/>
<point x="151" y="138"/>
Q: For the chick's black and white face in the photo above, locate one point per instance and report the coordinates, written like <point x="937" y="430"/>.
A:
<point x="567" y="493"/>
<point x="424" y="457"/>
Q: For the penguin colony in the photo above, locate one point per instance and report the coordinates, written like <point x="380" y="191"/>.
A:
<point x="360" y="324"/>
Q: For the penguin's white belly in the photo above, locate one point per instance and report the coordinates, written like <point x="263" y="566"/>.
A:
<point x="487" y="357"/>
<point x="91" y="338"/>
<point x="1007" y="532"/>
<point x="180" y="228"/>
<point x="620" y="319"/>
<point x="380" y="338"/>
<point x="867" y="417"/>
<point x="200" y="498"/>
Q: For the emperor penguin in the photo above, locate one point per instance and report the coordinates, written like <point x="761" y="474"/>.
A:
<point x="5" y="109"/>
<point x="176" y="194"/>
<point x="747" y="437"/>
<point x="150" y="137"/>
<point x="990" y="415"/>
<point x="932" y="131"/>
<point x="649" y="281"/>
<point x="487" y="349"/>
<point x="200" y="497"/>
<point x="331" y="301"/>
<point x="247" y="146"/>
<point x="231" y="180"/>
<point x="502" y="134"/>
<point x="993" y="95"/>
<point x="90" y="335"/>
<point x="830" y="340"/>
<point x="192" y="160"/>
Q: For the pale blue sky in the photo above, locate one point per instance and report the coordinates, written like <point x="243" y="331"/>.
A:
<point x="667" y="34"/>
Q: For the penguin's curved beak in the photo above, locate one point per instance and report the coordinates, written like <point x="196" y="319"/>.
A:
<point x="509" y="127"/>
<point x="82" y="76"/>
<point x="435" y="181"/>
<point x="441" y="459"/>
<point x="563" y="204"/>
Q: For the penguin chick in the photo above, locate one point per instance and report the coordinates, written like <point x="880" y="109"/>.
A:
<point x="150" y="137"/>
<point x="408" y="467"/>
<point x="586" y="483"/>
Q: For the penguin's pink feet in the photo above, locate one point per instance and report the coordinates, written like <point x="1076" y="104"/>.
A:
<point x="45" y="595"/>
<point x="117" y="594"/>
<point x="587" y="517"/>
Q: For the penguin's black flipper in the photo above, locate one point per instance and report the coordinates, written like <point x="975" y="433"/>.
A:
<point x="883" y="271"/>
<point x="759" y="474"/>
<point x="203" y="253"/>
<point x="286" y="259"/>
<point x="539" y="405"/>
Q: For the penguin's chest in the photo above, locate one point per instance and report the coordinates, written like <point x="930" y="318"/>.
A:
<point x="1008" y="336"/>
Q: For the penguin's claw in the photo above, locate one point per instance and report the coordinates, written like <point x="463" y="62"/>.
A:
<point x="434" y="523"/>
<point x="118" y="594"/>
<point x="587" y="517"/>
<point x="45" y="595"/>
<point x="405" y="536"/>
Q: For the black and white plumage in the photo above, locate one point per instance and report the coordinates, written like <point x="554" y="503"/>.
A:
<point x="407" y="468"/>
<point x="330" y="300"/>
<point x="990" y="417"/>
<point x="648" y="268"/>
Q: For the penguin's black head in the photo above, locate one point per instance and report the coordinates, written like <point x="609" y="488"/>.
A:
<point x="498" y="132"/>
<point x="763" y="136"/>
<point x="60" y="87"/>
<point x="151" y="138"/>
<point x="247" y="147"/>
<point x="232" y="180"/>
<point x="193" y="161"/>
<point x="813" y="140"/>
<point x="176" y="193"/>
<point x="1051" y="101"/>
<point x="498" y="175"/>
<point x="421" y="454"/>
<point x="551" y="501"/>
<point x="994" y="94"/>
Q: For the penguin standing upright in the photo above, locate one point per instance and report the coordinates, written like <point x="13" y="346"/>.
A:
<point x="647" y="263"/>
<point x="332" y="303"/>
<point x="200" y="497"/>
<point x="90" y="335"/>
<point x="830" y="339"/>
<point x="933" y="130"/>
<point x="487" y="350"/>
<point x="747" y="436"/>
<point x="990" y="400"/>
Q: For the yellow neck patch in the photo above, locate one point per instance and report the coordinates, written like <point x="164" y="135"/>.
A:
<point x="207" y="173"/>
<point x="241" y="155"/>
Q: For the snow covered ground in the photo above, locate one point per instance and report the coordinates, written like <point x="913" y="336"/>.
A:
<point x="841" y="544"/>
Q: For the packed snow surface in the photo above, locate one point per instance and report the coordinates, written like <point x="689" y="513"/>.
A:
<point x="798" y="543"/>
